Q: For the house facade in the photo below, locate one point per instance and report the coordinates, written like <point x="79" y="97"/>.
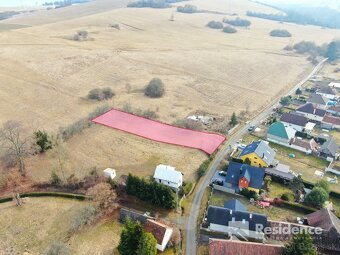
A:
<point x="259" y="153"/>
<point x="168" y="176"/>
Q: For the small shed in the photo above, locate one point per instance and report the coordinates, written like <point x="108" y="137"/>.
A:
<point x="110" y="173"/>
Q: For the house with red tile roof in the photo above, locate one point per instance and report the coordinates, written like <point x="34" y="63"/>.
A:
<point x="161" y="232"/>
<point x="231" y="247"/>
<point x="330" y="122"/>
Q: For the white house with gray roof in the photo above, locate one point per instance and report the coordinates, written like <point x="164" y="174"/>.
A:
<point x="168" y="176"/>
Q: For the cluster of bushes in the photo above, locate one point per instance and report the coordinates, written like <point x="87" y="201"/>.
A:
<point x="81" y="36"/>
<point x="157" y="194"/>
<point x="100" y="94"/>
<point x="319" y="16"/>
<point x="185" y="189"/>
<point x="149" y="3"/>
<point x="75" y="128"/>
<point x="201" y="171"/>
<point x="84" y="216"/>
<point x="249" y="194"/>
<point x="286" y="100"/>
<point x="43" y="141"/>
<point x="215" y="24"/>
<point x="280" y="33"/>
<point x="148" y="113"/>
<point x="238" y="22"/>
<point x="187" y="8"/>
<point x="319" y="194"/>
<point x="229" y="30"/>
<point x="189" y="124"/>
<point x="155" y="88"/>
<point x="73" y="183"/>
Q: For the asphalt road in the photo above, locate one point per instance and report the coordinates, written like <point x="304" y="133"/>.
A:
<point x="191" y="225"/>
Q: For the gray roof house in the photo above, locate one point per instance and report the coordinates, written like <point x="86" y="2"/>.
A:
<point x="329" y="148"/>
<point x="239" y="223"/>
<point x="294" y="119"/>
<point x="318" y="100"/>
<point x="311" y="112"/>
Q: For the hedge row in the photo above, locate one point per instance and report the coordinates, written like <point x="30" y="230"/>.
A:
<point x="47" y="194"/>
<point x="298" y="207"/>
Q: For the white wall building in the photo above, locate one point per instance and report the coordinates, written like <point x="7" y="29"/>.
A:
<point x="168" y="176"/>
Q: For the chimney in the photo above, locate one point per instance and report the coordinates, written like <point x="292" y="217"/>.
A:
<point x="263" y="155"/>
<point x="250" y="216"/>
<point x="231" y="212"/>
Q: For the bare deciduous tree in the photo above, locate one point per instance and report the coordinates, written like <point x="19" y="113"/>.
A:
<point x="61" y="156"/>
<point x="103" y="196"/>
<point x="16" y="143"/>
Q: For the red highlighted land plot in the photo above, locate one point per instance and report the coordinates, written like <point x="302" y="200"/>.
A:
<point x="160" y="132"/>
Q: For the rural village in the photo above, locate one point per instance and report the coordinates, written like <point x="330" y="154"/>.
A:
<point x="162" y="146"/>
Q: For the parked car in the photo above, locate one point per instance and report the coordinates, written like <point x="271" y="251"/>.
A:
<point x="251" y="128"/>
<point x="222" y="173"/>
<point x="218" y="182"/>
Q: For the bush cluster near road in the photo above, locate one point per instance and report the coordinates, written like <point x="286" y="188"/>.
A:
<point x="157" y="194"/>
<point x="155" y="88"/>
<point x="280" y="33"/>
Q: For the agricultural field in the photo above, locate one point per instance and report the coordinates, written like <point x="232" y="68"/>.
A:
<point x="46" y="75"/>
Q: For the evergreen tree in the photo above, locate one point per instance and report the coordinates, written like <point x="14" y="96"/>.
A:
<point x="298" y="91"/>
<point x="333" y="51"/>
<point x="147" y="245"/>
<point x="233" y="120"/>
<point x="130" y="238"/>
<point x="43" y="141"/>
<point x="301" y="244"/>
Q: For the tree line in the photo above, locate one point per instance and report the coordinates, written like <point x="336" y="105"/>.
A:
<point x="157" y="194"/>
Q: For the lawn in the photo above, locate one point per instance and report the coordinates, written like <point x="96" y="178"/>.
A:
<point x="273" y="213"/>
<point x="37" y="224"/>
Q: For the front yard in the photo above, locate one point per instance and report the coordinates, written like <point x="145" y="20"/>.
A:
<point x="273" y="213"/>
